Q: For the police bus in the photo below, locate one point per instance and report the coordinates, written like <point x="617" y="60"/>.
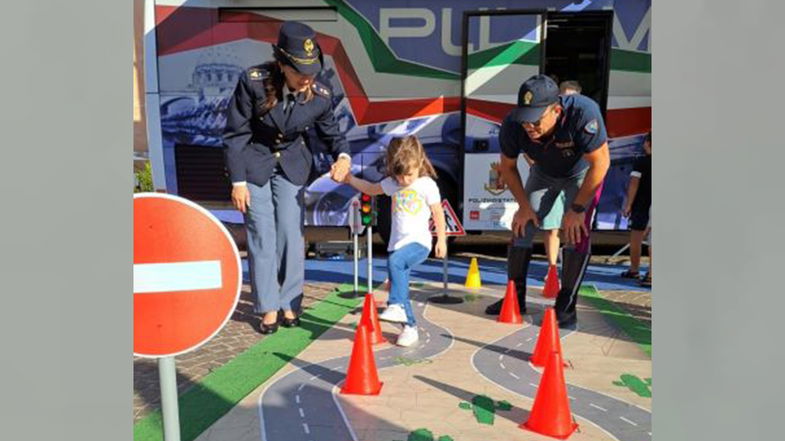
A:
<point x="445" y="70"/>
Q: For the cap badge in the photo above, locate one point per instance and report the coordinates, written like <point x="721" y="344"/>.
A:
<point x="527" y="97"/>
<point x="308" y="46"/>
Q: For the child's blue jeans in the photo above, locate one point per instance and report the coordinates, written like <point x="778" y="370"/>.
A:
<point x="399" y="265"/>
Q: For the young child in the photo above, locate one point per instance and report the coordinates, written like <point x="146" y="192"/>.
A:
<point x="415" y="198"/>
<point x="637" y="209"/>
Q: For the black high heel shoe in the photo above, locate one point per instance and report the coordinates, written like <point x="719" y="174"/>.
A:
<point x="268" y="329"/>
<point x="264" y="328"/>
<point x="290" y="322"/>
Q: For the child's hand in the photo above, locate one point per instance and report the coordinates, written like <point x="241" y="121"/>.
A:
<point x="441" y="248"/>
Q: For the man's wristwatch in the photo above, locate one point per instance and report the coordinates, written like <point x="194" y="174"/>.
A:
<point x="577" y="208"/>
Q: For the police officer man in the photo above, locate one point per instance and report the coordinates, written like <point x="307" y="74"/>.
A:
<point x="272" y="108"/>
<point x="565" y="137"/>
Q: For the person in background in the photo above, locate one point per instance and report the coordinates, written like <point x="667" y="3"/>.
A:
<point x="552" y="221"/>
<point x="637" y="207"/>
<point x="570" y="87"/>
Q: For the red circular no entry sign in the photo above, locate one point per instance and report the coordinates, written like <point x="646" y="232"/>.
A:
<point x="187" y="275"/>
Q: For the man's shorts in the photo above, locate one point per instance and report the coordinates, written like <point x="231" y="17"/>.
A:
<point x="552" y="221"/>
<point x="639" y="218"/>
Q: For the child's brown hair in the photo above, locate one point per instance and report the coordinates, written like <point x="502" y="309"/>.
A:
<point x="406" y="154"/>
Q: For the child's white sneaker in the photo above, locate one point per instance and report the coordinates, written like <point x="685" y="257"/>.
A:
<point x="394" y="313"/>
<point x="409" y="336"/>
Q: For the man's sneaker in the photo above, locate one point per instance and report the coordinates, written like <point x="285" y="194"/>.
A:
<point x="394" y="313"/>
<point x="409" y="336"/>
<point x="567" y="320"/>
<point x="495" y="308"/>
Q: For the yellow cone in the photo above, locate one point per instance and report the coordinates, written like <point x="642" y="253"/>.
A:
<point x="473" y="277"/>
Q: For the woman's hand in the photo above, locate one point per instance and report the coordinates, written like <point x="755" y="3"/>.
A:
<point x="441" y="248"/>
<point x="340" y="169"/>
<point x="241" y="198"/>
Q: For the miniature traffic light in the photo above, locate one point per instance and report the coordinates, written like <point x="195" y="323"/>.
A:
<point x="367" y="210"/>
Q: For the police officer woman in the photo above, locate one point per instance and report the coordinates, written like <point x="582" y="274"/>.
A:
<point x="272" y="108"/>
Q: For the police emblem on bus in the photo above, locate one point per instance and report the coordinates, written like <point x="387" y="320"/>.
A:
<point x="495" y="185"/>
<point x="308" y="46"/>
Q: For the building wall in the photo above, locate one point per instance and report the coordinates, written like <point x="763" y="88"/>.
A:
<point x="140" y="132"/>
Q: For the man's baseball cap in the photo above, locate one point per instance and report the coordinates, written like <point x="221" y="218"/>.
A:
<point x="297" y="47"/>
<point x="534" y="96"/>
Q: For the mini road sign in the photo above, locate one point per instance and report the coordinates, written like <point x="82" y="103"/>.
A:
<point x="187" y="275"/>
<point x="452" y="224"/>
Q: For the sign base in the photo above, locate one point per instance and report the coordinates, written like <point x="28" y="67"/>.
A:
<point x="444" y="299"/>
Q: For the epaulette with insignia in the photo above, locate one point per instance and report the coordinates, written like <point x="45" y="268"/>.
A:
<point x="257" y="73"/>
<point x="320" y="89"/>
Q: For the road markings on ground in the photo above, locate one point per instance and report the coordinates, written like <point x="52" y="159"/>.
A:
<point x="514" y="376"/>
<point x="627" y="421"/>
<point x="306" y="429"/>
<point x="302" y="414"/>
<point x="502" y="365"/>
<point x="297" y="399"/>
<point x="598" y="407"/>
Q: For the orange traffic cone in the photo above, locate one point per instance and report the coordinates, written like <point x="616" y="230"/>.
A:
<point x="511" y="312"/>
<point x="552" y="287"/>
<point x="550" y="414"/>
<point x="361" y="377"/>
<point x="370" y="318"/>
<point x="548" y="341"/>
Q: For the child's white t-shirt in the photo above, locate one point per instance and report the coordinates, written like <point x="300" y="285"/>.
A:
<point x="411" y="211"/>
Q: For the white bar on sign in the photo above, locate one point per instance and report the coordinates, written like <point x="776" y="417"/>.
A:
<point x="180" y="276"/>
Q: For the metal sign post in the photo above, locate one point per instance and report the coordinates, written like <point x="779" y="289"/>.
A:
<point x="370" y="259"/>
<point x="356" y="252"/>
<point x="356" y="228"/>
<point x="167" y="377"/>
<point x="454" y="228"/>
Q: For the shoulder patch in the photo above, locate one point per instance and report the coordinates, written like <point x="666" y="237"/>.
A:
<point x="321" y="90"/>
<point x="591" y="127"/>
<point x="257" y="74"/>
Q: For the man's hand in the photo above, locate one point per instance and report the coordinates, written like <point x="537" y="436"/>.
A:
<point x="522" y="217"/>
<point x="574" y="227"/>
<point x="441" y="248"/>
<point x="340" y="169"/>
<point x="627" y="210"/>
<point x="241" y="198"/>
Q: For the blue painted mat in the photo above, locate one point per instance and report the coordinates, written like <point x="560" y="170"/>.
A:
<point x="605" y="277"/>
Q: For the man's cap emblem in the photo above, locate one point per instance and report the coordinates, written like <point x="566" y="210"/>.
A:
<point x="527" y="98"/>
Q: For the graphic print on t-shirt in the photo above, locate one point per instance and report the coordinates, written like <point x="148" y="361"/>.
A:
<point x="407" y="201"/>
